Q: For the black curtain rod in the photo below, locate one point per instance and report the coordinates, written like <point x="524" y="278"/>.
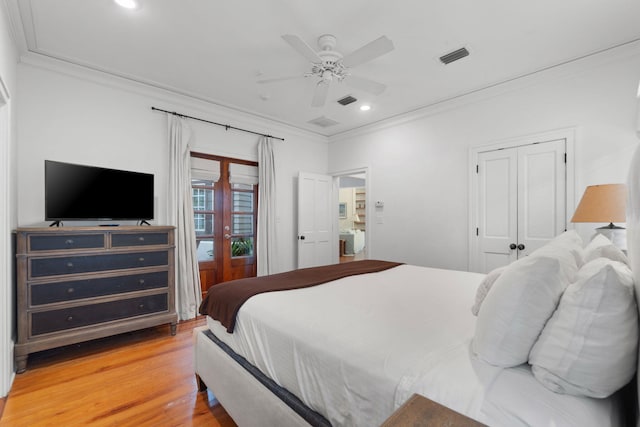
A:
<point x="227" y="127"/>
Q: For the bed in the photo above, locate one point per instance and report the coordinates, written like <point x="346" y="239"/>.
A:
<point x="351" y="351"/>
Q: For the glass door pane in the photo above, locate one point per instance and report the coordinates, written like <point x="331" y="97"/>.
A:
<point x="242" y="220"/>
<point x="203" y="218"/>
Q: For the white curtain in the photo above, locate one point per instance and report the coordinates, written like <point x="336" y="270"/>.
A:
<point x="188" y="296"/>
<point x="267" y="244"/>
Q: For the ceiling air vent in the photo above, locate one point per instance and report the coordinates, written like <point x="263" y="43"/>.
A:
<point x="347" y="100"/>
<point x="454" y="56"/>
<point x="323" y="122"/>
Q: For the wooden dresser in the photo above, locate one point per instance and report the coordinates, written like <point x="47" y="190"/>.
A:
<point x="81" y="283"/>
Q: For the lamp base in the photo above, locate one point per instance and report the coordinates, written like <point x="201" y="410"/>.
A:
<point x="617" y="235"/>
<point x="611" y="226"/>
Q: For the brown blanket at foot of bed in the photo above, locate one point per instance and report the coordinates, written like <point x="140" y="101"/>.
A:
<point x="223" y="301"/>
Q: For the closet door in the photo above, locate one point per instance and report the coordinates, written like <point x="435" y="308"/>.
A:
<point x="498" y="208"/>
<point x="521" y="201"/>
<point x="541" y="194"/>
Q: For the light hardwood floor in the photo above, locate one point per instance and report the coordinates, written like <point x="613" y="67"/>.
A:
<point x="142" y="378"/>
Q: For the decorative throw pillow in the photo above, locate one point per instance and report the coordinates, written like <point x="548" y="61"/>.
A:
<point x="484" y="287"/>
<point x="588" y="347"/>
<point x="567" y="247"/>
<point x="596" y="242"/>
<point x="607" y="251"/>
<point x="515" y="311"/>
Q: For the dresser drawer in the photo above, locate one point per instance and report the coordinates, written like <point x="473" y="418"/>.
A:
<point x="76" y="317"/>
<point x="65" y="242"/>
<point x="139" y="239"/>
<point x="42" y="267"/>
<point x="46" y="293"/>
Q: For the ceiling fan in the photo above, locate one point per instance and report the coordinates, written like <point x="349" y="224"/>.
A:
<point x="328" y="65"/>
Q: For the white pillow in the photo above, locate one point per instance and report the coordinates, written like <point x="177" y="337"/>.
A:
<point x="567" y="247"/>
<point x="597" y="241"/>
<point x="607" y="251"/>
<point x="589" y="346"/>
<point x="569" y="257"/>
<point x="568" y="238"/>
<point x="515" y="311"/>
<point x="484" y="287"/>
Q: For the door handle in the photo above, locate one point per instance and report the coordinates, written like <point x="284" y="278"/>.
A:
<point x="521" y="247"/>
<point x="301" y="237"/>
<point x="227" y="236"/>
<point x="512" y="246"/>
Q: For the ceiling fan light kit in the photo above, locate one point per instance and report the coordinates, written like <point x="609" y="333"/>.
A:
<point x="328" y="65"/>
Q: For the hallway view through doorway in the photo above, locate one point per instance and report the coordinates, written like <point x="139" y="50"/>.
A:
<point x="352" y="217"/>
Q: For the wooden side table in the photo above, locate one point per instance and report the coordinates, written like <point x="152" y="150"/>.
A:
<point x="419" y="411"/>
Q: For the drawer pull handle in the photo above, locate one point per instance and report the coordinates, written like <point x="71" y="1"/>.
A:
<point x="69" y="242"/>
<point x="141" y="306"/>
<point x="69" y="319"/>
<point x="141" y="281"/>
<point x="70" y="290"/>
<point x="141" y="238"/>
<point x="141" y="259"/>
<point x="70" y="264"/>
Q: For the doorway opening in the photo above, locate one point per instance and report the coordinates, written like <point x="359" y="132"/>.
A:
<point x="352" y="217"/>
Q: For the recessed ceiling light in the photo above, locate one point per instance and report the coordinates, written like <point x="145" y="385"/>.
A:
<point x="365" y="107"/>
<point x="128" y="4"/>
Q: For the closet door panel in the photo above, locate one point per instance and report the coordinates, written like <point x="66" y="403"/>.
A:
<point x="497" y="231"/>
<point x="541" y="194"/>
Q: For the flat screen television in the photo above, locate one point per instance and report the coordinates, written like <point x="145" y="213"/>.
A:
<point x="78" y="192"/>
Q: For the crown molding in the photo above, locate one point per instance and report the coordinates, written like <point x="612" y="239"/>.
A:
<point x="16" y="29"/>
<point x="170" y="99"/>
<point x="578" y="65"/>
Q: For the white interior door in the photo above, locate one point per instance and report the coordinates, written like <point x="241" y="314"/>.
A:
<point x="541" y="194"/>
<point x="521" y="201"/>
<point x="315" y="220"/>
<point x="498" y="203"/>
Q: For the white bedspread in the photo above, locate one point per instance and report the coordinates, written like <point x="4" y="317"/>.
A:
<point x="355" y="349"/>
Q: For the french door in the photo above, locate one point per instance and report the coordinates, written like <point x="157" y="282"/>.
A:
<point x="521" y="201"/>
<point x="225" y="199"/>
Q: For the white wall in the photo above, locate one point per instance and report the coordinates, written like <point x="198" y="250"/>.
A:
<point x="69" y="114"/>
<point x="419" y="163"/>
<point x="8" y="211"/>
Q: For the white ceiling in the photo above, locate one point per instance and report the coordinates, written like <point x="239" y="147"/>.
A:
<point x="217" y="50"/>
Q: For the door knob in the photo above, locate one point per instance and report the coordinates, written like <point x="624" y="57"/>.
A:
<point x="301" y="237"/>
<point x="521" y="247"/>
<point x="227" y="236"/>
<point x="512" y="246"/>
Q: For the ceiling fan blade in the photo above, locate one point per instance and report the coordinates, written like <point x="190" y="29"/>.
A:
<point x="301" y="47"/>
<point x="365" y="84"/>
<point x="370" y="51"/>
<point x="320" y="94"/>
<point x="280" y="79"/>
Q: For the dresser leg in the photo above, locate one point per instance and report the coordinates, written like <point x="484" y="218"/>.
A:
<point x="173" y="328"/>
<point x="21" y="363"/>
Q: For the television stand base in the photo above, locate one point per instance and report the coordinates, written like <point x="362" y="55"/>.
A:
<point x="56" y="224"/>
<point x="144" y="222"/>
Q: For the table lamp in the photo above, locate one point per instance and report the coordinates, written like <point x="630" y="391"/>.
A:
<point x="605" y="203"/>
